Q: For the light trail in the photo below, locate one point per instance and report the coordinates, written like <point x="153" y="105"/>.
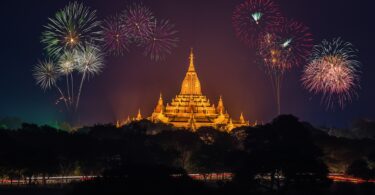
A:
<point x="196" y="176"/>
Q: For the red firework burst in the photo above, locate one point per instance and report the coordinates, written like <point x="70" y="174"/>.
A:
<point x="116" y="37"/>
<point x="252" y="18"/>
<point x="138" y="21"/>
<point x="286" y="45"/>
<point x="333" y="72"/>
<point x="161" y="40"/>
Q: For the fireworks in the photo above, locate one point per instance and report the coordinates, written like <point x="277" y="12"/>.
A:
<point x="72" y="27"/>
<point x="74" y="37"/>
<point x="281" y="43"/>
<point x="252" y="18"/>
<point x="116" y="37"/>
<point x="286" y="45"/>
<point x="161" y="40"/>
<point x="138" y="21"/>
<point x="90" y="61"/>
<point x="66" y="63"/>
<point x="46" y="74"/>
<point x="158" y="37"/>
<point x="66" y="66"/>
<point x="333" y="72"/>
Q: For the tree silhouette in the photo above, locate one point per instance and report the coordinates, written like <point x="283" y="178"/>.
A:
<point x="360" y="168"/>
<point x="283" y="149"/>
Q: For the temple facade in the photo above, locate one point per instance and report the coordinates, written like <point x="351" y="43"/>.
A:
<point x="191" y="109"/>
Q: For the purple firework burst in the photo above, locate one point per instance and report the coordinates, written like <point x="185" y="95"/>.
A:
<point x="138" y="21"/>
<point x="161" y="40"/>
<point x="252" y="19"/>
<point x="116" y="36"/>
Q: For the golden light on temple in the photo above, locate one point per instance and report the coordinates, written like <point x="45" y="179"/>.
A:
<point x="191" y="109"/>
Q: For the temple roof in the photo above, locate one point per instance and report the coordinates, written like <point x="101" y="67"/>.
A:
<point x="190" y="109"/>
<point x="191" y="84"/>
<point x="160" y="106"/>
<point x="191" y="64"/>
<point x="139" y="115"/>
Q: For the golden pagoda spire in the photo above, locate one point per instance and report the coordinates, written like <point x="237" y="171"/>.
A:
<point x="220" y="105"/>
<point x="160" y="106"/>
<point x="160" y="102"/>
<point x="191" y="109"/>
<point x="191" y="58"/>
<point x="190" y="84"/>
<point x="242" y="119"/>
<point x="220" y="101"/>
<point x="139" y="116"/>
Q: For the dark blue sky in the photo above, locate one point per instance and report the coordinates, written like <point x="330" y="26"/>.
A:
<point x="224" y="65"/>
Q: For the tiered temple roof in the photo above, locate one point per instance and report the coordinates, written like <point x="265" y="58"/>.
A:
<point x="191" y="109"/>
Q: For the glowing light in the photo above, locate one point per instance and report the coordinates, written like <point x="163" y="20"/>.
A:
<point x="286" y="43"/>
<point x="282" y="47"/>
<point x="161" y="40"/>
<point x="45" y="74"/>
<point x="116" y="36"/>
<point x="252" y="19"/>
<point x="138" y="21"/>
<point x="66" y="63"/>
<point x="333" y="72"/>
<point x="73" y="26"/>
<point x="257" y="16"/>
<point x="292" y="42"/>
<point x="90" y="61"/>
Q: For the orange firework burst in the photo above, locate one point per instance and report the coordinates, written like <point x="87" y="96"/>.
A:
<point x="282" y="47"/>
<point x="286" y="45"/>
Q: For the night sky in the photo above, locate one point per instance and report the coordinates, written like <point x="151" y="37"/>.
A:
<point x="225" y="66"/>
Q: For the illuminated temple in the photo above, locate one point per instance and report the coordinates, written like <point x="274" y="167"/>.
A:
<point x="191" y="109"/>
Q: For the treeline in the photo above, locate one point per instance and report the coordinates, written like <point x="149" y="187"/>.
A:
<point x="360" y="129"/>
<point x="283" y="153"/>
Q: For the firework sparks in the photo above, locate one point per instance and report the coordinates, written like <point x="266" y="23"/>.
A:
<point x="73" y="26"/>
<point x="90" y="61"/>
<point x="138" y="21"/>
<point x="66" y="63"/>
<point x="286" y="45"/>
<point x="46" y="74"/>
<point x="66" y="66"/>
<point x="252" y="18"/>
<point x="333" y="72"/>
<point x="116" y="37"/>
<point x="161" y="40"/>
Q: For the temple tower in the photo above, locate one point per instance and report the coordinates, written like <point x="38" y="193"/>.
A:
<point x="190" y="109"/>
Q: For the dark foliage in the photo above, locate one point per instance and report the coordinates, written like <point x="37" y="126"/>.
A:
<point x="360" y="168"/>
<point x="146" y="158"/>
<point x="283" y="151"/>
